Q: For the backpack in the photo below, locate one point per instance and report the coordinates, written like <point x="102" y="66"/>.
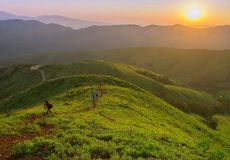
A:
<point x="49" y="106"/>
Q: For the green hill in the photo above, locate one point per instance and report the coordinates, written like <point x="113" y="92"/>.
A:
<point x="19" y="78"/>
<point x="128" y="123"/>
<point x="203" y="69"/>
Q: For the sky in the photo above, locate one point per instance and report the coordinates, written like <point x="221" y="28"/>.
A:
<point x="142" y="12"/>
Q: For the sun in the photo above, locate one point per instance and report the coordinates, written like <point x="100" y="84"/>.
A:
<point x="194" y="13"/>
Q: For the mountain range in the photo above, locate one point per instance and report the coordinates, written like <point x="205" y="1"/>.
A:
<point x="20" y="37"/>
<point x="65" y="21"/>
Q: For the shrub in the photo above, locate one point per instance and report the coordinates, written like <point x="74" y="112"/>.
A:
<point x="40" y="147"/>
<point x="101" y="150"/>
<point x="217" y="155"/>
<point x="76" y="139"/>
<point x="140" y="149"/>
<point x="104" y="137"/>
<point x="213" y="123"/>
<point x="25" y="148"/>
<point x="31" y="128"/>
<point x="204" y="145"/>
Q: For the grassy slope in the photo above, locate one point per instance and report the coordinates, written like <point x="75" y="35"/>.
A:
<point x="224" y="97"/>
<point x="184" y="98"/>
<point x="223" y="124"/>
<point x="193" y="67"/>
<point x="14" y="79"/>
<point x="128" y="123"/>
<point x="204" y="69"/>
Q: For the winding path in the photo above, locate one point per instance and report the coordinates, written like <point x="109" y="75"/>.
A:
<point x="37" y="68"/>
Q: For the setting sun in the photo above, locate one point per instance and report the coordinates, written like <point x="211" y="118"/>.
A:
<point x="194" y="13"/>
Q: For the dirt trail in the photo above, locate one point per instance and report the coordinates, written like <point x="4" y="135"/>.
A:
<point x="7" y="141"/>
<point x="37" y="68"/>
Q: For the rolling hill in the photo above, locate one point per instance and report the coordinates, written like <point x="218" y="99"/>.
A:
<point x="19" y="78"/>
<point x="202" y="69"/>
<point x="127" y="123"/>
<point x="205" y="69"/>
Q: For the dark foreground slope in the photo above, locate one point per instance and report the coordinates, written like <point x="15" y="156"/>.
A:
<point x="128" y="123"/>
<point x="18" y="78"/>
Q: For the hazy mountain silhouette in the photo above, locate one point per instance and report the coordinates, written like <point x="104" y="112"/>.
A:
<point x="65" y="21"/>
<point x="7" y="16"/>
<point x="73" y="23"/>
<point x="31" y="37"/>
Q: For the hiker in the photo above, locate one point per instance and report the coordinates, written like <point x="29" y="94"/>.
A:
<point x="100" y="89"/>
<point x="97" y="93"/>
<point x="48" y="107"/>
<point x="94" y="97"/>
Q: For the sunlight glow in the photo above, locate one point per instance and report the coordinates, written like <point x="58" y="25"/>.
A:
<point x="194" y="13"/>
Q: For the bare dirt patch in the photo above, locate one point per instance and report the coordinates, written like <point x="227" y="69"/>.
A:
<point x="7" y="141"/>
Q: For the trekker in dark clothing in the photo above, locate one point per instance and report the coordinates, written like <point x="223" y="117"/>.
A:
<point x="48" y="107"/>
<point x="94" y="98"/>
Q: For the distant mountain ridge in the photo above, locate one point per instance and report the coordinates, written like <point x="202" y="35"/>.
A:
<point x="61" y="20"/>
<point x="73" y="23"/>
<point x="20" y="37"/>
<point x="7" y="16"/>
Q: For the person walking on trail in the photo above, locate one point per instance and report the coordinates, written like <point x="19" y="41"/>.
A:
<point x="100" y="89"/>
<point x="97" y="93"/>
<point x="94" y="98"/>
<point x="48" y="107"/>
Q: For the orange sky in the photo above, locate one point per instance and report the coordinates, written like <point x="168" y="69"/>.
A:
<point x="143" y="12"/>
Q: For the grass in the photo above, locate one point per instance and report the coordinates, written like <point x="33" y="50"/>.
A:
<point x="45" y="91"/>
<point x="223" y="124"/>
<point x="186" y="99"/>
<point x="128" y="123"/>
<point x="17" y="78"/>
<point x="224" y="98"/>
<point x="203" y="69"/>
